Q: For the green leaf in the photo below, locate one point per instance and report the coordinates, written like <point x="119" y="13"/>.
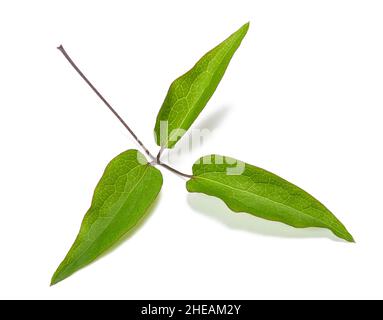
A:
<point x="126" y="190"/>
<point x="246" y="188"/>
<point x="189" y="94"/>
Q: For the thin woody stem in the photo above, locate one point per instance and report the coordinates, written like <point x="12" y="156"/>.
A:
<point x="61" y="48"/>
<point x="175" y="170"/>
<point x="156" y="160"/>
<point x="159" y="154"/>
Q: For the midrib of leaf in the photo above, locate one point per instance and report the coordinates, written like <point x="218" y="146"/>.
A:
<point x="118" y="177"/>
<point x="201" y="95"/>
<point x="111" y="220"/>
<point x="330" y="226"/>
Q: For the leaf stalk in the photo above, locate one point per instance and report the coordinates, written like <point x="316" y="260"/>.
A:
<point x="155" y="160"/>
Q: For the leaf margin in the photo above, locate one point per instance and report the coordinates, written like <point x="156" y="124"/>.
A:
<point x="191" y="186"/>
<point x="199" y="105"/>
<point x="59" y="275"/>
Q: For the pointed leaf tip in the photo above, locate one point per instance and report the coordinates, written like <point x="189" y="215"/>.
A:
<point x="189" y="94"/>
<point x="125" y="192"/>
<point x="246" y="188"/>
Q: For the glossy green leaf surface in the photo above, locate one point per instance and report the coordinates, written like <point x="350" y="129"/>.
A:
<point x="246" y="188"/>
<point x="189" y="94"/>
<point x="126" y="190"/>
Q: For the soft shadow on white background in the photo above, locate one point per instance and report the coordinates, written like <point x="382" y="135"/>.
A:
<point x="217" y="210"/>
<point x="215" y="119"/>
<point x="210" y="122"/>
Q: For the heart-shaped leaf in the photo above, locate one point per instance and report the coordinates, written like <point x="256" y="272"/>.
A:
<point x="126" y="190"/>
<point x="246" y="188"/>
<point x="189" y="94"/>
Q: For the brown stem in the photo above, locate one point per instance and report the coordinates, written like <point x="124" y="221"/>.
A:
<point x="175" y="170"/>
<point x="156" y="160"/>
<point x="61" y="48"/>
<point x="159" y="154"/>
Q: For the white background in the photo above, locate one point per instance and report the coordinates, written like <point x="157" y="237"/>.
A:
<point x="302" y="97"/>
